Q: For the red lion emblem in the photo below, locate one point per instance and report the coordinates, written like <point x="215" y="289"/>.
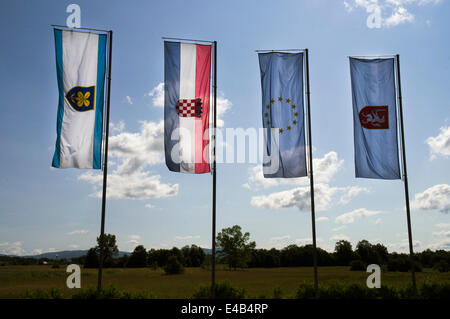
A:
<point x="374" y="117"/>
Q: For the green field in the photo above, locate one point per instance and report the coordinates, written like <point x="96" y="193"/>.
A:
<point x="15" y="281"/>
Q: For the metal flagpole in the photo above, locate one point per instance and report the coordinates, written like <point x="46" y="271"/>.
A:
<point x="311" y="177"/>
<point x="405" y="175"/>
<point x="105" y="171"/>
<point x="213" y="257"/>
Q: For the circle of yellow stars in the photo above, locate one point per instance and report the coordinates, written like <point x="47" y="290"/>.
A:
<point x="292" y="106"/>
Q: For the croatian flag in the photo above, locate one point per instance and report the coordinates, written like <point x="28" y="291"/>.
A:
<point x="80" y="67"/>
<point x="187" y="75"/>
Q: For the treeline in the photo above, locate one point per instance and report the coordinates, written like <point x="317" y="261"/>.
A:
<point x="364" y="254"/>
<point x="188" y="256"/>
<point x="344" y="255"/>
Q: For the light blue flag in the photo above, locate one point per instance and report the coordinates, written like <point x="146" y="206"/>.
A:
<point x="374" y="118"/>
<point x="80" y="67"/>
<point x="282" y="114"/>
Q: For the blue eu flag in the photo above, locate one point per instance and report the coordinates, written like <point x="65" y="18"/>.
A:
<point x="282" y="114"/>
<point x="374" y="118"/>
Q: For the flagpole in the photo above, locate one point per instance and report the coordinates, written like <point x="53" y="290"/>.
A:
<point x="311" y="177"/>
<point x="405" y="176"/>
<point x="105" y="171"/>
<point x="213" y="257"/>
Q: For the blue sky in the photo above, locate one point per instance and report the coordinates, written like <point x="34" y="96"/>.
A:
<point x="44" y="209"/>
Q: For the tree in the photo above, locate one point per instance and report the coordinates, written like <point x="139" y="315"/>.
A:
<point x="367" y="253"/>
<point x="235" y="246"/>
<point x="138" y="257"/>
<point x="109" y="248"/>
<point x="173" y="266"/>
<point x="91" y="260"/>
<point x="343" y="252"/>
<point x="193" y="256"/>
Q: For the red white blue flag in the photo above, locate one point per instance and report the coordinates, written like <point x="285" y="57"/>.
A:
<point x="187" y="77"/>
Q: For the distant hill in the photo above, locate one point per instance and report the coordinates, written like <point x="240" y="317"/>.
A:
<point x="208" y="251"/>
<point x="67" y="254"/>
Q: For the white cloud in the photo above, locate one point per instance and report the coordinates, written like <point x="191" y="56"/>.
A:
<point x="184" y="238"/>
<point x="281" y="238"/>
<point x="443" y="233"/>
<point x="129" y="100"/>
<point x="298" y="197"/>
<point x="51" y="250"/>
<point x="348" y="7"/>
<point x="149" y="206"/>
<point x="351" y="192"/>
<point x="223" y="105"/>
<point x="436" y="197"/>
<point x="339" y="228"/>
<point x="440" y="145"/>
<point x="134" y="239"/>
<point x="14" y="248"/>
<point x="74" y="246"/>
<point x="339" y="237"/>
<point x="322" y="219"/>
<point x="139" y="149"/>
<point x="117" y="128"/>
<point x="135" y="151"/>
<point x="399" y="15"/>
<point x="157" y="94"/>
<point x="349" y="218"/>
<point x="403" y="246"/>
<point x="391" y="12"/>
<point x="137" y="185"/>
<point x="442" y="225"/>
<point x="78" y="232"/>
<point x="441" y="240"/>
<point x="379" y="221"/>
<point x="324" y="170"/>
<point x="246" y="185"/>
<point x="37" y="251"/>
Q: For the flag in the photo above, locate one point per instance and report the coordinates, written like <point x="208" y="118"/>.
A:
<point x="374" y="118"/>
<point x="80" y="68"/>
<point x="187" y="76"/>
<point x="282" y="114"/>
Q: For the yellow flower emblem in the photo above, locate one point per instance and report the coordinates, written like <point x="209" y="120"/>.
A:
<point x="83" y="99"/>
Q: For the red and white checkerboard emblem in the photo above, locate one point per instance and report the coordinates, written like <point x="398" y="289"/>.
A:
<point x="189" y="107"/>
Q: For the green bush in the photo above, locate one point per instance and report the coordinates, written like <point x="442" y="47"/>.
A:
<point x="306" y="291"/>
<point x="434" y="290"/>
<point x="339" y="290"/>
<point x="110" y="292"/>
<point x="277" y="293"/>
<point x="173" y="266"/>
<point x="223" y="290"/>
<point x="52" y="293"/>
<point x="442" y="266"/>
<point x="399" y="264"/>
<point x="357" y="265"/>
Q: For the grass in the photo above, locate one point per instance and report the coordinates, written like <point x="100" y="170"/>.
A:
<point x="23" y="281"/>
